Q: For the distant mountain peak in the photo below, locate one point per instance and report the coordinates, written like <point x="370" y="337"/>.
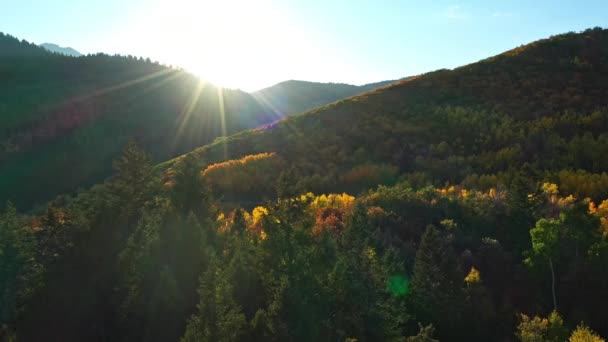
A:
<point x="68" y="51"/>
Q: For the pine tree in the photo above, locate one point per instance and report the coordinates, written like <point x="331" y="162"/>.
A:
<point x="520" y="212"/>
<point x="437" y="295"/>
<point x="287" y="184"/>
<point x="162" y="321"/>
<point x="368" y="286"/>
<point x="55" y="236"/>
<point x="133" y="180"/>
<point x="219" y="318"/>
<point x="19" y="270"/>
<point x="188" y="192"/>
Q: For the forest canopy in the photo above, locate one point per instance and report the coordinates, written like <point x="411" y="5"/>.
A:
<point x="467" y="204"/>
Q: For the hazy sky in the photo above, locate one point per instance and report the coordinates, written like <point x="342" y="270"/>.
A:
<point x="253" y="44"/>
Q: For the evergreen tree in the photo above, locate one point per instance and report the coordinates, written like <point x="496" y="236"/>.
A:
<point x="424" y="335"/>
<point x="520" y="212"/>
<point x="163" y="259"/>
<point x="437" y="295"/>
<point x="219" y="318"/>
<point x="133" y="181"/>
<point x="367" y="283"/>
<point x="19" y="271"/>
<point x="188" y="192"/>
<point x="56" y="235"/>
<point x="287" y="184"/>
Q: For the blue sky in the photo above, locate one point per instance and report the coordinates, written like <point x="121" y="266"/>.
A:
<point x="253" y="44"/>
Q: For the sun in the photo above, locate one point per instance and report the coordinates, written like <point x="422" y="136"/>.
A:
<point x="229" y="43"/>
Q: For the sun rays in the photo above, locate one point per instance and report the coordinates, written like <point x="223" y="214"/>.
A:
<point x="222" y="113"/>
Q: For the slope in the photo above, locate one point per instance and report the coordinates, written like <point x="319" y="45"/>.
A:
<point x="63" y="119"/>
<point x="539" y="108"/>
<point x="68" y="51"/>
<point x="147" y="260"/>
<point x="298" y="96"/>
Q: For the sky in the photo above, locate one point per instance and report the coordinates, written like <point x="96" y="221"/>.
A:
<point x="251" y="44"/>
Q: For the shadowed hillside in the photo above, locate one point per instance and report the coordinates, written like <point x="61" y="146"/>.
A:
<point x="63" y="119"/>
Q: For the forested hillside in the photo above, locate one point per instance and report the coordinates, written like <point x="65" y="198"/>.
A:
<point x="63" y="119"/>
<point x="299" y="96"/>
<point x="460" y="205"/>
<point x="540" y="108"/>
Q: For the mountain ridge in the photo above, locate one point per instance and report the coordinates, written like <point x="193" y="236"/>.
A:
<point x="59" y="108"/>
<point x="295" y="96"/>
<point x="539" y="85"/>
<point x="68" y="51"/>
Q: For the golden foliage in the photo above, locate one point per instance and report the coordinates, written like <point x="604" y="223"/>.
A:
<point x="555" y="203"/>
<point x="237" y="162"/>
<point x="168" y="178"/>
<point x="257" y="217"/>
<point x="337" y="201"/>
<point x="457" y="192"/>
<point x="539" y="329"/>
<point x="473" y="277"/>
<point x="252" y="174"/>
<point x="550" y="189"/>
<point x="601" y="211"/>
<point x="582" y="333"/>
<point x="371" y="254"/>
<point x="532" y="329"/>
<point x="330" y="211"/>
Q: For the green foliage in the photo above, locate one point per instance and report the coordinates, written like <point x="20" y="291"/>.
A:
<point x="133" y="180"/>
<point x="546" y="237"/>
<point x="219" y="318"/>
<point x="437" y="293"/>
<point x="160" y="268"/>
<point x="188" y="192"/>
<point x="19" y="269"/>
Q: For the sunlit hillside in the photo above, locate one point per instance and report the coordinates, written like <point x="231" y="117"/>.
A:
<point x="540" y="109"/>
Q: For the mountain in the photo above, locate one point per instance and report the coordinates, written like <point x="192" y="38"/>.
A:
<point x="68" y="51"/>
<point x="460" y="205"/>
<point x="298" y="96"/>
<point x="73" y="115"/>
<point x="540" y="107"/>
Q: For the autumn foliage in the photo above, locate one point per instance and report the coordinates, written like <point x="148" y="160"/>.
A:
<point x="252" y="175"/>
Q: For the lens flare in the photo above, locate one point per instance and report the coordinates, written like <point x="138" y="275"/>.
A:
<point x="398" y="285"/>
